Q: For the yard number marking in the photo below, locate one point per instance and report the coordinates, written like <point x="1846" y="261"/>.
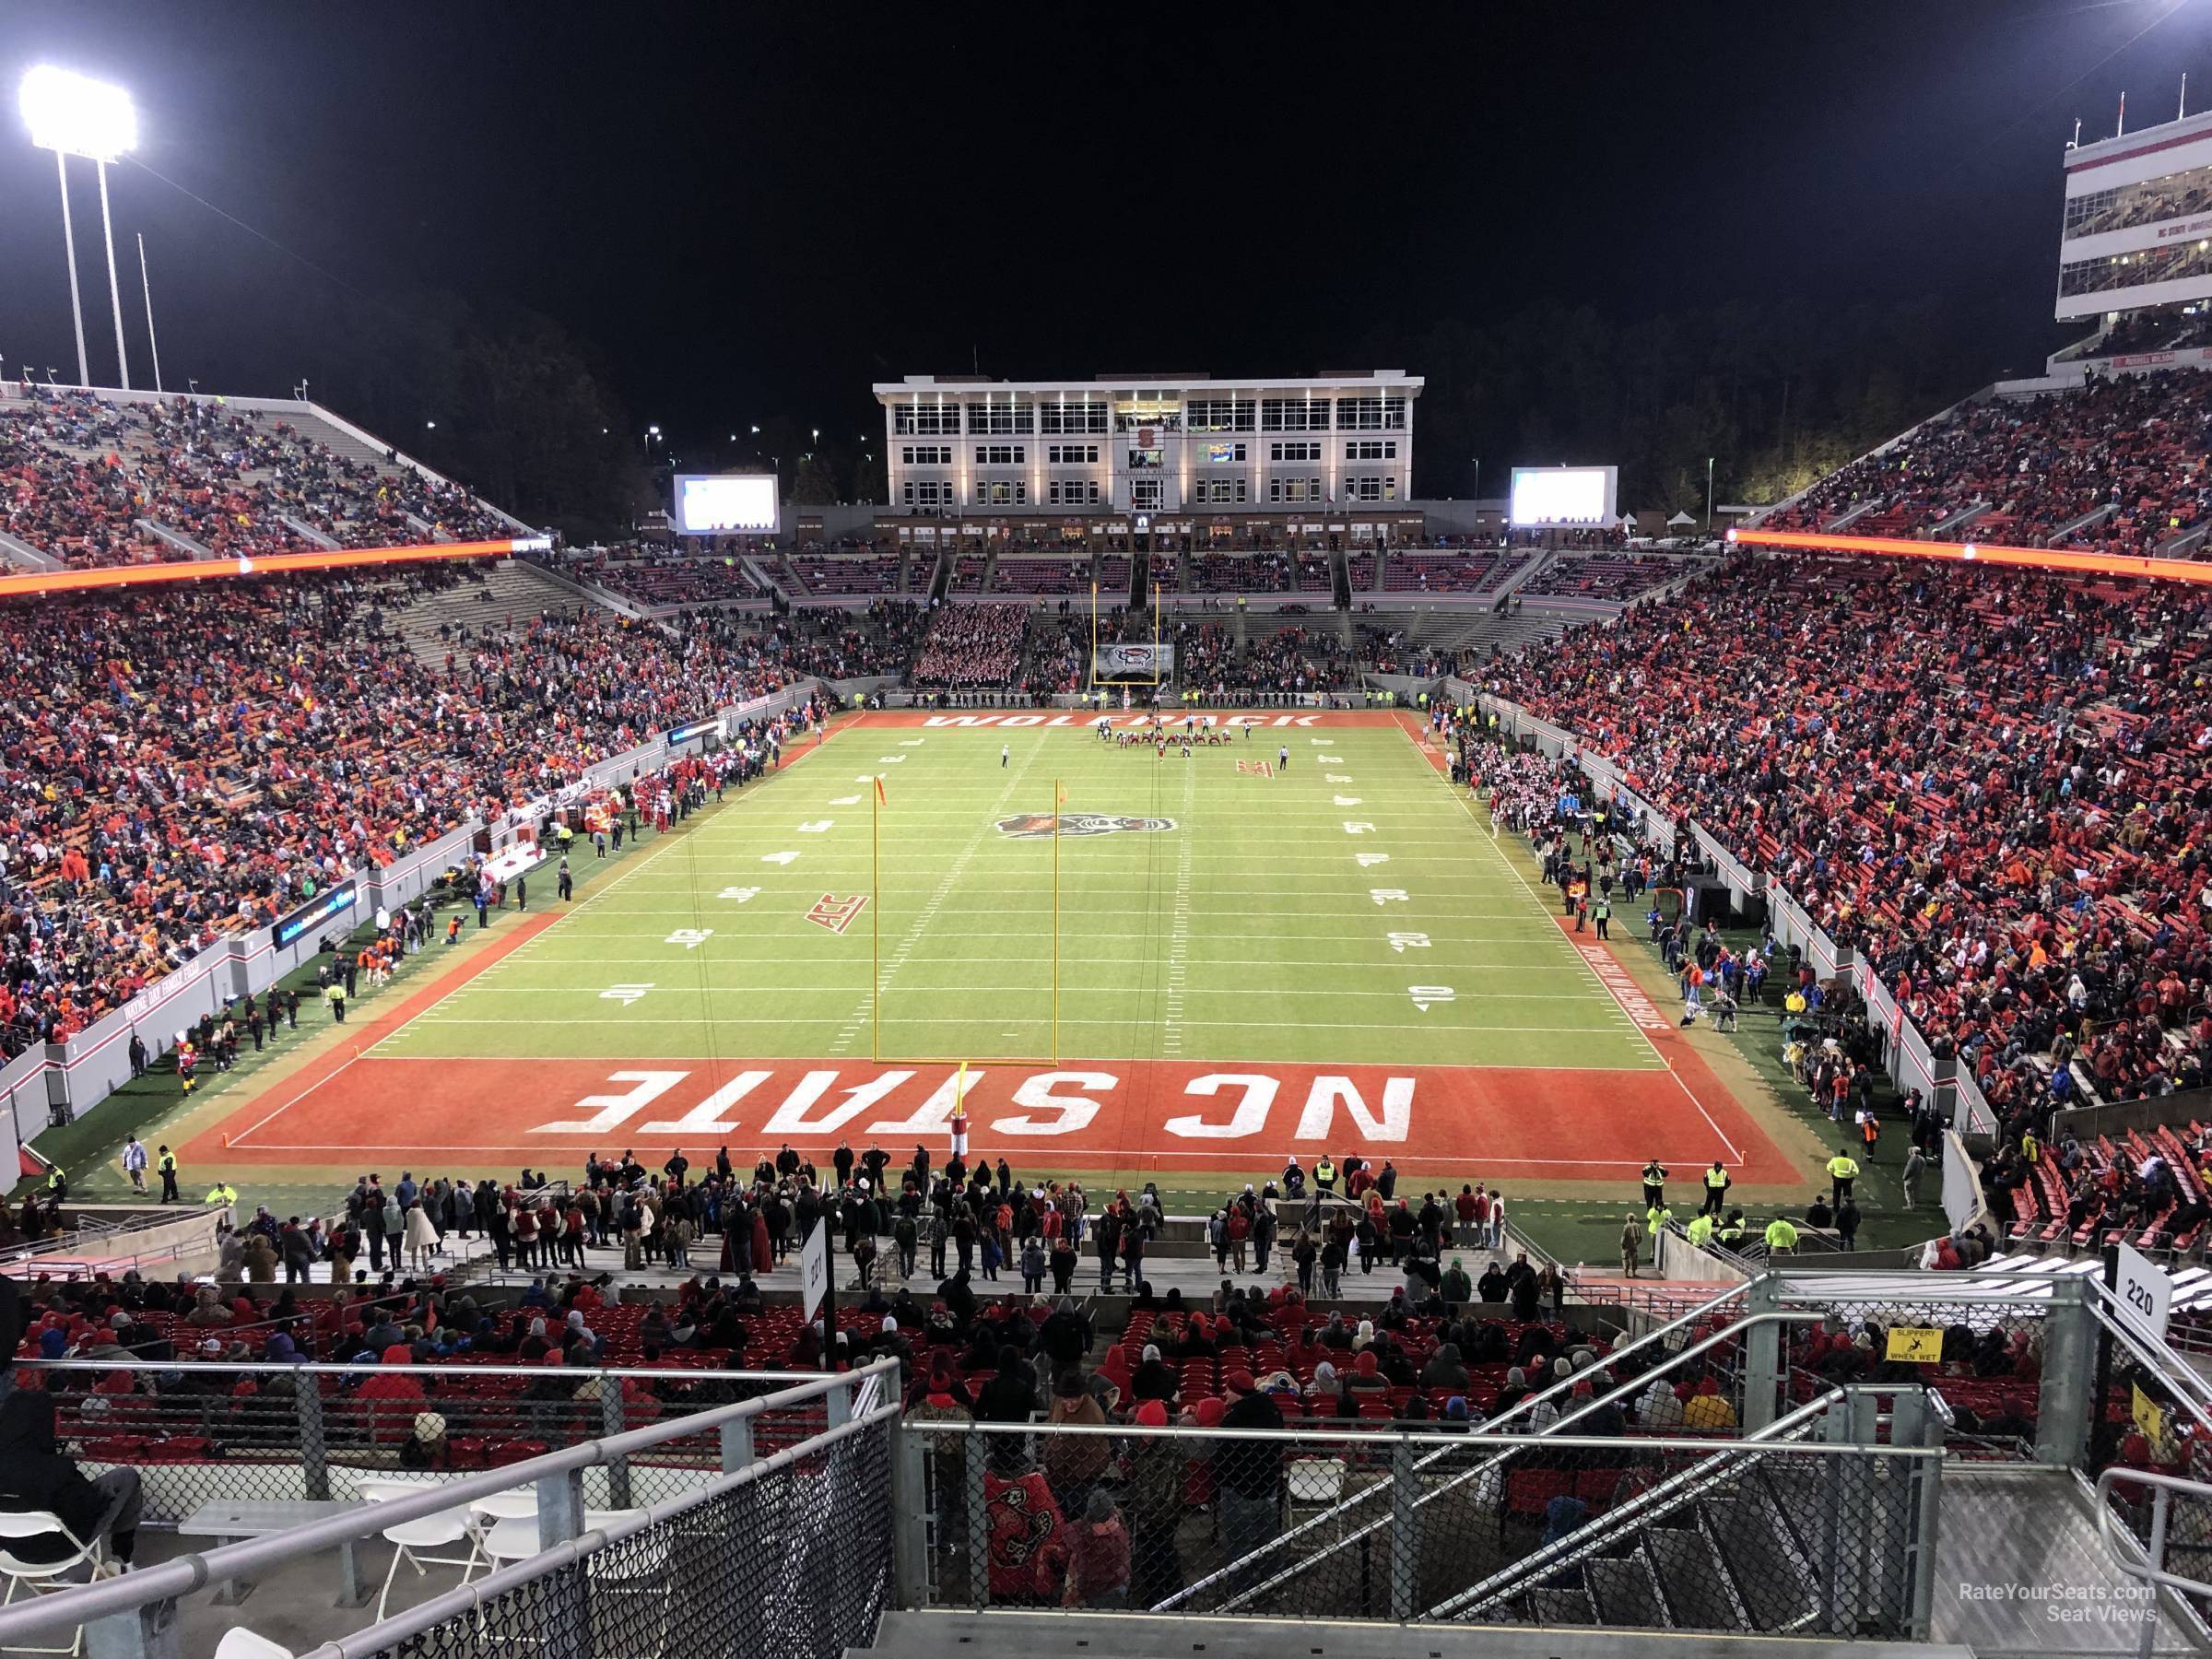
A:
<point x="690" y="939"/>
<point x="818" y="826"/>
<point x="1369" y="859"/>
<point x="1403" y="942"/>
<point x="741" y="895"/>
<point x="778" y="858"/>
<point x="1347" y="800"/>
<point x="1388" y="895"/>
<point x="626" y="994"/>
<point x="1425" y="994"/>
<point x="1358" y="826"/>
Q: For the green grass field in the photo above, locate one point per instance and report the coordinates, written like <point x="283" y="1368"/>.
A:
<point x="1262" y="922"/>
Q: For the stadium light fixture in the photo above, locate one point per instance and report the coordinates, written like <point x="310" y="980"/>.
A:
<point x="72" y="114"/>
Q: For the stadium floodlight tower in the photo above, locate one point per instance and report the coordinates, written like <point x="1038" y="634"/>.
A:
<point x="72" y="114"/>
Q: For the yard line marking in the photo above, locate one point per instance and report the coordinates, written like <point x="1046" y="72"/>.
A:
<point x="1537" y="898"/>
<point x="849" y="1032"/>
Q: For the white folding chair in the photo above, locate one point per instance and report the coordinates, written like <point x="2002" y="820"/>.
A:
<point x="238" y="1643"/>
<point x="635" y="1571"/>
<point x="83" y="1561"/>
<point x="411" y="1540"/>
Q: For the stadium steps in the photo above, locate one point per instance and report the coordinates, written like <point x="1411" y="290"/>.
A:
<point x="187" y="546"/>
<point x="2073" y="527"/>
<point x="511" y="594"/>
<point x="308" y="533"/>
<point x="22" y="555"/>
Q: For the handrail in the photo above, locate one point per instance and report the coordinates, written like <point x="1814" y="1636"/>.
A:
<point x="340" y="1369"/>
<point x="1733" y="1293"/>
<point x="469" y="1598"/>
<point x="2151" y="1569"/>
<point x="1548" y="1436"/>
<point x="1576" y="1546"/>
<point x="186" y="1573"/>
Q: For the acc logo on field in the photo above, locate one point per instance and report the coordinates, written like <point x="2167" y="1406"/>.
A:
<point x="1080" y="823"/>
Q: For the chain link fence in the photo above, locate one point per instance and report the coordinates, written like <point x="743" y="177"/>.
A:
<point x="1670" y="1532"/>
<point x="1983" y="1356"/>
<point x="790" y="1564"/>
<point x="206" y="1433"/>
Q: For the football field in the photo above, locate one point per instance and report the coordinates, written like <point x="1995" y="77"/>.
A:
<point x="1302" y="938"/>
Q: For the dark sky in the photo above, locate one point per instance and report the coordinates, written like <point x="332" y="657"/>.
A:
<point x="751" y="210"/>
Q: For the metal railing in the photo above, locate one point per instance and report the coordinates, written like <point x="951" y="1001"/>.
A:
<point x="2124" y="1545"/>
<point x="1013" y="1511"/>
<point x="200" y="1431"/>
<point x="116" y="1604"/>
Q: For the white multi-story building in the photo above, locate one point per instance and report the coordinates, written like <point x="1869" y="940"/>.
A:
<point x="2137" y="230"/>
<point x="1214" y="458"/>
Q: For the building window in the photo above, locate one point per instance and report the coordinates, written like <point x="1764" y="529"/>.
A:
<point x="926" y="493"/>
<point x="1001" y="454"/>
<point x="1073" y="492"/>
<point x="1371" y="414"/>
<point x="1220" y="454"/>
<point x="1001" y="492"/>
<point x="1219" y="415"/>
<point x="1001" y="420"/>
<point x="926" y="421"/>
<point x="1294" y="415"/>
<point x="1296" y="450"/>
<point x="1226" y="491"/>
<point x="1072" y="455"/>
<point x="1144" y="492"/>
<point x="927" y="454"/>
<point x="1072" y="418"/>
<point x="1292" y="492"/>
<point x="1372" y="449"/>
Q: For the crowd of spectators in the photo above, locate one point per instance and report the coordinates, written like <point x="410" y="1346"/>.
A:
<point x="971" y="647"/>
<point x="2132" y="447"/>
<point x="199" y="761"/>
<point x="2166" y="330"/>
<point x="80" y="472"/>
<point x="1994" y="785"/>
<point x="1292" y="659"/>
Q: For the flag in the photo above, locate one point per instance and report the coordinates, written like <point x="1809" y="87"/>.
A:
<point x="881" y="799"/>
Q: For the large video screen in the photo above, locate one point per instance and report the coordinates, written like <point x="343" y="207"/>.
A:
<point x="725" y="504"/>
<point x="1548" y="496"/>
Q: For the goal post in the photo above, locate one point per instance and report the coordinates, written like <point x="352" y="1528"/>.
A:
<point x="1105" y="672"/>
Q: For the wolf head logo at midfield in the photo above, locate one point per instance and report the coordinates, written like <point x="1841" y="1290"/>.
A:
<point x="1080" y="823"/>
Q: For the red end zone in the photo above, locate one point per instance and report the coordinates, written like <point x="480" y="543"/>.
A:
<point x="1465" y="1122"/>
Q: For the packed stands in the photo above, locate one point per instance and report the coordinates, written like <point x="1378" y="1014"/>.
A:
<point x="971" y="647"/>
<point x="2118" y="466"/>
<point x="2146" y="1187"/>
<point x="1991" y="783"/>
<point x="82" y="471"/>
<point x="204" y="755"/>
<point x="811" y="574"/>
<point x="1292" y="659"/>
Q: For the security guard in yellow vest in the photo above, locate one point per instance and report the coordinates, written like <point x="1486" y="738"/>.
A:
<point x="1730" y="1234"/>
<point x="1842" y="1169"/>
<point x="1325" y="1175"/>
<point x="1782" y="1237"/>
<point x="1700" y="1231"/>
<point x="1717" y="1182"/>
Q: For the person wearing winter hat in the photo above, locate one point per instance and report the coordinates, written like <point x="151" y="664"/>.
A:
<point x="1098" y="1565"/>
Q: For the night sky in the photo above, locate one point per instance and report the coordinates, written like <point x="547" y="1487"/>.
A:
<point x="752" y="210"/>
